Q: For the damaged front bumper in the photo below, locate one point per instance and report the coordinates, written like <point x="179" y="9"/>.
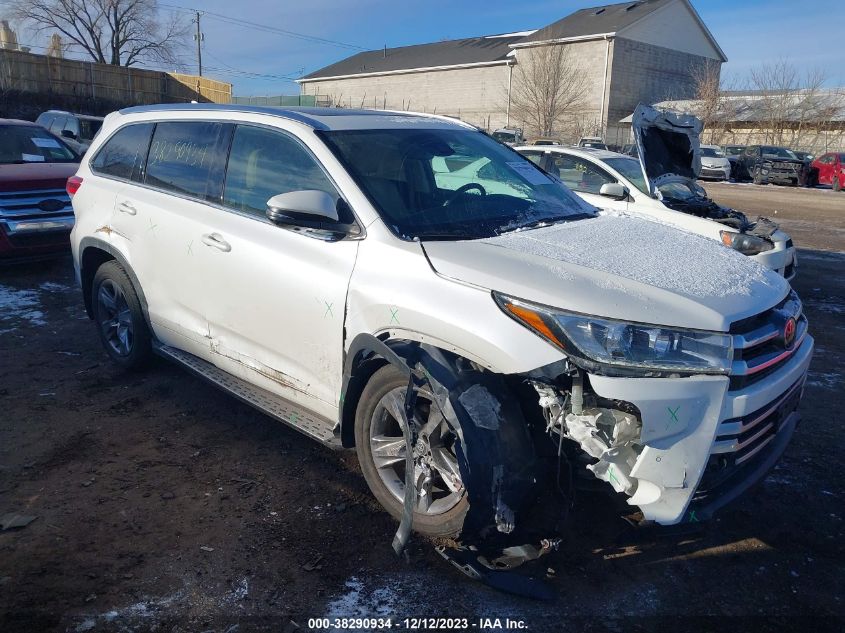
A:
<point x="697" y="444"/>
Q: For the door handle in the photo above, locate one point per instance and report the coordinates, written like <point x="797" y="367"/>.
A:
<point x="126" y="207"/>
<point x="216" y="240"/>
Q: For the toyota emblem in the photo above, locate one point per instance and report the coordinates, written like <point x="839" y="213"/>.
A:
<point x="789" y="332"/>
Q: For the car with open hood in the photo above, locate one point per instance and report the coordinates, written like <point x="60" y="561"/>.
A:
<point x="662" y="185"/>
<point x="35" y="212"/>
<point x="485" y="350"/>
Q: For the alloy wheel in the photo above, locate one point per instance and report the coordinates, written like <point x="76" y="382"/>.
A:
<point x="115" y="318"/>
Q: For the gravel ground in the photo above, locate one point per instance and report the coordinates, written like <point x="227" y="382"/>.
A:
<point x="166" y="505"/>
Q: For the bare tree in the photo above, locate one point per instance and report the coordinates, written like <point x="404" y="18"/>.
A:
<point x="709" y="95"/>
<point x="548" y="88"/>
<point x="118" y="32"/>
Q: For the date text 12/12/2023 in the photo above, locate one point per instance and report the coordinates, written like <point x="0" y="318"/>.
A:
<point x="417" y="624"/>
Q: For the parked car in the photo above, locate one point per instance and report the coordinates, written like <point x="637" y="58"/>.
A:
<point x="307" y="261"/>
<point x="509" y="136"/>
<point x="592" y="141"/>
<point x="35" y="212"/>
<point x="544" y="141"/>
<point x="764" y="164"/>
<point x="732" y="153"/>
<point x="714" y="163"/>
<point x="806" y="157"/>
<point x="630" y="149"/>
<point x="829" y="169"/>
<point x="617" y="182"/>
<point x="77" y="130"/>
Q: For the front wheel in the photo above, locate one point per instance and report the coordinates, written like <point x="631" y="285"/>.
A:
<point x="837" y="186"/>
<point x="379" y="441"/>
<point x="758" y="178"/>
<point x="120" y="321"/>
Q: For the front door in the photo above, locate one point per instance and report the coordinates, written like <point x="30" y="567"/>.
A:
<point x="585" y="178"/>
<point x="276" y="298"/>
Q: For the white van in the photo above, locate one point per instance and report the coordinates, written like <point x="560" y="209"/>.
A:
<point x="312" y="263"/>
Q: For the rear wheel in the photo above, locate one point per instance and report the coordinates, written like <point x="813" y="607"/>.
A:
<point x="120" y="321"/>
<point x="379" y="438"/>
<point x="758" y="177"/>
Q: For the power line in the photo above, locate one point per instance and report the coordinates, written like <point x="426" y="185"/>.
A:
<point x="263" y="27"/>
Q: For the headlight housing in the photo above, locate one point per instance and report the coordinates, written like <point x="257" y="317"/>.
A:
<point x="745" y="243"/>
<point x="622" y="347"/>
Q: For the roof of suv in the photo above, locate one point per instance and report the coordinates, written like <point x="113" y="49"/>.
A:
<point x="87" y="117"/>
<point x="592" y="152"/>
<point x="317" y="118"/>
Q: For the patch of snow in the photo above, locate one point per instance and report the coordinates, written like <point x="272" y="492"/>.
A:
<point x="20" y="305"/>
<point x="646" y="252"/>
<point x="50" y="286"/>
<point x="359" y="601"/>
<point x="825" y="380"/>
<point x="142" y="610"/>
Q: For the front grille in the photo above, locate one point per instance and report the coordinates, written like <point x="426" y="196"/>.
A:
<point x="759" y="345"/>
<point x="20" y="205"/>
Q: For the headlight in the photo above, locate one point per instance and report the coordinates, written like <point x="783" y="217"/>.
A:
<point x="746" y="244"/>
<point x="631" y="346"/>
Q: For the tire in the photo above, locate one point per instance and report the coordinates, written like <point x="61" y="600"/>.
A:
<point x="371" y="411"/>
<point x="119" y="318"/>
<point x="837" y="186"/>
<point x="757" y="179"/>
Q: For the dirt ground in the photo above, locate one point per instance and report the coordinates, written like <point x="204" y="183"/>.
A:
<point x="165" y="505"/>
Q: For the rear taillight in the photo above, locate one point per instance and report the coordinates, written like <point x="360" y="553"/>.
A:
<point x="73" y="185"/>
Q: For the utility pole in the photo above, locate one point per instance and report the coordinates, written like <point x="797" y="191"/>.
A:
<point x="199" y="38"/>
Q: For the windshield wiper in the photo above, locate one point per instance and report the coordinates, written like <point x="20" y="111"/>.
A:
<point x="544" y="222"/>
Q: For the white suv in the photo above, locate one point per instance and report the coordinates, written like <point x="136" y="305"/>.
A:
<point x="320" y="266"/>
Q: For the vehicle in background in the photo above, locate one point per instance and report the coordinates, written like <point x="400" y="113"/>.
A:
<point x="544" y="141"/>
<point x="592" y="141"/>
<point x="807" y="157"/>
<point x="468" y="344"/>
<point x="630" y="149"/>
<point x="829" y="169"/>
<point x="509" y="136"/>
<point x="77" y="130"/>
<point x="764" y="164"/>
<point x="714" y="163"/>
<point x="616" y="182"/>
<point x="732" y="153"/>
<point x="35" y="211"/>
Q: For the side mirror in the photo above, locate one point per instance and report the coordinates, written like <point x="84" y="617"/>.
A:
<point x="613" y="190"/>
<point x="68" y="134"/>
<point x="304" y="208"/>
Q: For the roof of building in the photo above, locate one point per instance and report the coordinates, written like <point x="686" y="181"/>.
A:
<point x="608" y="18"/>
<point x="472" y="50"/>
<point x="317" y="118"/>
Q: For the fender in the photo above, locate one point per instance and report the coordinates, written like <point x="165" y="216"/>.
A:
<point x="93" y="242"/>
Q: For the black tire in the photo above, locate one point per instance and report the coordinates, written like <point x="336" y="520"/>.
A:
<point x="757" y="179"/>
<point x="837" y="186"/>
<point x="383" y="381"/>
<point x="111" y="278"/>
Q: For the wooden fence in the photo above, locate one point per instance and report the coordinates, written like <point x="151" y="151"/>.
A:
<point x="30" y="73"/>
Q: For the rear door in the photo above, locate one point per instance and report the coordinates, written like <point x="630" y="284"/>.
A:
<point x="275" y="297"/>
<point x="166" y="219"/>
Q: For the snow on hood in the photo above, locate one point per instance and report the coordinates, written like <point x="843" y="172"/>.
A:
<point x="668" y="144"/>
<point x="619" y="267"/>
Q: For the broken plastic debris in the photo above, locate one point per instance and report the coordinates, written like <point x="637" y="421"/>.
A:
<point x="206" y="548"/>
<point x="12" y="520"/>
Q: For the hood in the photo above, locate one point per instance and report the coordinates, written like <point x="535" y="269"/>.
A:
<point x="617" y="267"/>
<point x="30" y="176"/>
<point x="668" y="144"/>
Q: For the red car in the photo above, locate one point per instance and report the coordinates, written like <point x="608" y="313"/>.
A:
<point x="35" y="212"/>
<point x="830" y="168"/>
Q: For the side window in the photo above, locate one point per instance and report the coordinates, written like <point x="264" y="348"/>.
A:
<point x="72" y="125"/>
<point x="123" y="155"/>
<point x="58" y="125"/>
<point x="183" y="158"/>
<point x="534" y="157"/>
<point x="45" y="120"/>
<point x="264" y="163"/>
<point x="579" y="174"/>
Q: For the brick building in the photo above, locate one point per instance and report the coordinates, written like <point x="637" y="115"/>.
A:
<point x="644" y="51"/>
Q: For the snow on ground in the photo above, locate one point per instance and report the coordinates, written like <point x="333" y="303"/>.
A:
<point x="645" y="252"/>
<point x="19" y="305"/>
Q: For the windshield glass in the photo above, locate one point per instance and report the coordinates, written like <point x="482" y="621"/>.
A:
<point x="710" y="152"/>
<point x="32" y="144"/>
<point x="451" y="183"/>
<point x="778" y="152"/>
<point x="682" y="190"/>
<point x="631" y="170"/>
<point x="505" y="137"/>
<point x="734" y="150"/>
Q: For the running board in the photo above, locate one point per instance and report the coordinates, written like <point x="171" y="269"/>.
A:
<point x="276" y="407"/>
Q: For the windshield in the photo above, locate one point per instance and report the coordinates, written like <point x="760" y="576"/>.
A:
<point x="32" y="144"/>
<point x="451" y="183"/>
<point x="734" y="150"/>
<point x="710" y="152"/>
<point x="778" y="152"/>
<point x="631" y="170"/>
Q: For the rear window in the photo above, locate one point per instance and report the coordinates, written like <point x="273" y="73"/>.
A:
<point x="123" y="155"/>
<point x="184" y="157"/>
<point x="21" y="144"/>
